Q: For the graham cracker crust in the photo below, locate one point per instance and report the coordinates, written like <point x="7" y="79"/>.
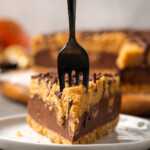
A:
<point x="90" y="137"/>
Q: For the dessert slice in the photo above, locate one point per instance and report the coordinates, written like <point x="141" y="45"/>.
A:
<point x="130" y="48"/>
<point x="74" y="116"/>
<point x="134" y="64"/>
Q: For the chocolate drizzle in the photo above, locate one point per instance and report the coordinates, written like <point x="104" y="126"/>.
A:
<point x="94" y="77"/>
<point x="36" y="76"/>
<point x="104" y="88"/>
<point x="69" y="105"/>
<point x="58" y="94"/>
<point x="53" y="77"/>
<point x="109" y="87"/>
<point x="49" y="77"/>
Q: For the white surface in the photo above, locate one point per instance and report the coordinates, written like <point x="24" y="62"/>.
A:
<point x="17" y="77"/>
<point x="131" y="133"/>
<point x="51" y="15"/>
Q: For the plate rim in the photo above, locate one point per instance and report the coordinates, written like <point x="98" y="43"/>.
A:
<point x="24" y="115"/>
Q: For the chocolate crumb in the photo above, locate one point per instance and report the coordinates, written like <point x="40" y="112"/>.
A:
<point x="69" y="105"/>
<point x="45" y="75"/>
<point x="94" y="77"/>
<point x="58" y="94"/>
<point x="95" y="89"/>
<point x="107" y="75"/>
<point x="36" y="76"/>
<point x="53" y="80"/>
<point x="86" y="118"/>
<point x="47" y="82"/>
<point x="109" y="87"/>
<point x="53" y="77"/>
<point x="89" y="118"/>
<point x="39" y="80"/>
<point x="103" y="89"/>
<point x="84" y="121"/>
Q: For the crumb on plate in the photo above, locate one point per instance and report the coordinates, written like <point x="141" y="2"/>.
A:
<point x="19" y="134"/>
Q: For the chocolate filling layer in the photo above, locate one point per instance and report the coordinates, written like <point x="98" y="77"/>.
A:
<point x="99" y="115"/>
<point x="135" y="75"/>
<point x="103" y="61"/>
<point x="44" y="59"/>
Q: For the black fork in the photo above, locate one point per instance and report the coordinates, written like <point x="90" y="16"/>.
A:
<point x="72" y="57"/>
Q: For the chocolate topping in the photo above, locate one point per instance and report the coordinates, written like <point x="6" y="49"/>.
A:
<point x="69" y="106"/>
<point x="138" y="41"/>
<point x="36" y="76"/>
<point x="103" y="88"/>
<point x="50" y="76"/>
<point x="53" y="80"/>
<point x="53" y="77"/>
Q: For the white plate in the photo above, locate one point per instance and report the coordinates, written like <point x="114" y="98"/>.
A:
<point x="131" y="133"/>
<point x="21" y="77"/>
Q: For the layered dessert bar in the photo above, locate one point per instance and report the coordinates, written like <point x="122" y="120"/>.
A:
<point x="123" y="51"/>
<point x="134" y="64"/>
<point x="74" y="116"/>
<point x="101" y="47"/>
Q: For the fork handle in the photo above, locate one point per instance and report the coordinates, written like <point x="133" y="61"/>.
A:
<point x="72" y="18"/>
